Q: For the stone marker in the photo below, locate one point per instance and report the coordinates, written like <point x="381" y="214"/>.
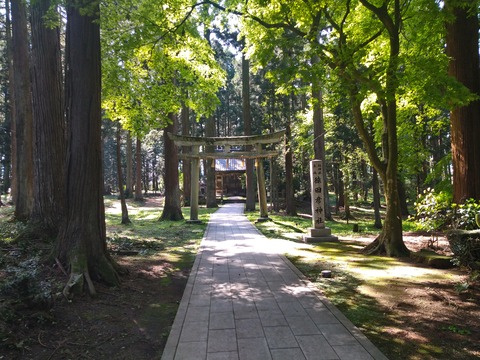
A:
<point x="318" y="232"/>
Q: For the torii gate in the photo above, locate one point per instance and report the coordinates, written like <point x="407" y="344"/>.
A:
<point x="257" y="153"/>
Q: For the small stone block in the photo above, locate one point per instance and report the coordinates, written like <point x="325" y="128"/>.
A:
<point x="326" y="274"/>
<point x="193" y="222"/>
<point x="262" y="219"/>
<point x="310" y="239"/>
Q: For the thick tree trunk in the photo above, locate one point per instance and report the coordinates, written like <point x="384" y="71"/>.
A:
<point x="23" y="113"/>
<point x="462" y="48"/>
<point x="129" y="172"/>
<point x="138" y="171"/>
<point x="82" y="241"/>
<point x="319" y="138"/>
<point x="9" y="111"/>
<point x="247" y="124"/>
<point x="49" y="123"/>
<point x="125" y="218"/>
<point x="172" y="209"/>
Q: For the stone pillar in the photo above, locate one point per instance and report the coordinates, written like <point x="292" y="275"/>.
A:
<point x="318" y="232"/>
<point x="194" y="186"/>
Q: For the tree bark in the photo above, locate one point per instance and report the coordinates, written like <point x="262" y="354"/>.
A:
<point x="462" y="48"/>
<point x="23" y="113"/>
<point x="172" y="209"/>
<point x="247" y="124"/>
<point x="376" y="200"/>
<point x="129" y="172"/>
<point x="82" y="240"/>
<point x="186" y="164"/>
<point x="138" y="171"/>
<point x="49" y="123"/>
<point x="290" y="207"/>
<point x="9" y="161"/>
<point x="319" y="138"/>
<point x="211" y="196"/>
<point x="125" y="218"/>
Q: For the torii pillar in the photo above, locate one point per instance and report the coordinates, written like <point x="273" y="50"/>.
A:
<point x="262" y="190"/>
<point x="318" y="232"/>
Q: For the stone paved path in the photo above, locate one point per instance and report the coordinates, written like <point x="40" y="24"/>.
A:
<point x="244" y="300"/>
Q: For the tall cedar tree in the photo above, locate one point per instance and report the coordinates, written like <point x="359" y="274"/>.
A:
<point x="49" y="122"/>
<point x="23" y="197"/>
<point x="82" y="241"/>
<point x="462" y="48"/>
<point x="247" y="123"/>
<point x="172" y="209"/>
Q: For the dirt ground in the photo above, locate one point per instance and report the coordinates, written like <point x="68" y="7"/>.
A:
<point x="133" y="321"/>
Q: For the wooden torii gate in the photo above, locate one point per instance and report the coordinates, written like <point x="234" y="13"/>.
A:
<point x="198" y="145"/>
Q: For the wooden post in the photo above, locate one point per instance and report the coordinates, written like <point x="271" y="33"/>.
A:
<point x="262" y="191"/>
<point x="194" y="186"/>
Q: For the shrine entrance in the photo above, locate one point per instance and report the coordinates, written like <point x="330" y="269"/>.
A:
<point x="234" y="147"/>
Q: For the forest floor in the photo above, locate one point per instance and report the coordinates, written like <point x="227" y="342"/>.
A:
<point x="411" y="312"/>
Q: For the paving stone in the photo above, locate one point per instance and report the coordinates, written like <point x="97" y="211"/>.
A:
<point x="302" y="325"/>
<point x="280" y="337"/>
<point x="249" y="328"/>
<point x="191" y="350"/>
<point x="221" y="320"/>
<point x="230" y="355"/>
<point x="272" y="318"/>
<point x="287" y="354"/>
<point x="316" y="347"/>
<point x="292" y="308"/>
<point x="253" y="349"/>
<point x="197" y="313"/>
<point x="221" y="305"/>
<point x="222" y="340"/>
<point x="194" y="331"/>
<point x="337" y="334"/>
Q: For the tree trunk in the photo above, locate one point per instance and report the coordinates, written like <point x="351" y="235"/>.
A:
<point x="23" y="113"/>
<point x="82" y="240"/>
<point x="187" y="170"/>
<point x="9" y="162"/>
<point x="376" y="199"/>
<point x="247" y="124"/>
<point x="290" y="206"/>
<point x="49" y="123"/>
<point x="462" y="49"/>
<point x="211" y="197"/>
<point x="129" y="175"/>
<point x="138" y="171"/>
<point x="172" y="209"/>
<point x="390" y="240"/>
<point x="125" y="218"/>
<point x="319" y="138"/>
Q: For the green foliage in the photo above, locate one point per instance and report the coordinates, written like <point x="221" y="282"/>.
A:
<point x="431" y="210"/>
<point x="434" y="211"/>
<point x="154" y="59"/>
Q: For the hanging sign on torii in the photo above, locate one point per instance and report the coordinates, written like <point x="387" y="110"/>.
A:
<point x="198" y="146"/>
